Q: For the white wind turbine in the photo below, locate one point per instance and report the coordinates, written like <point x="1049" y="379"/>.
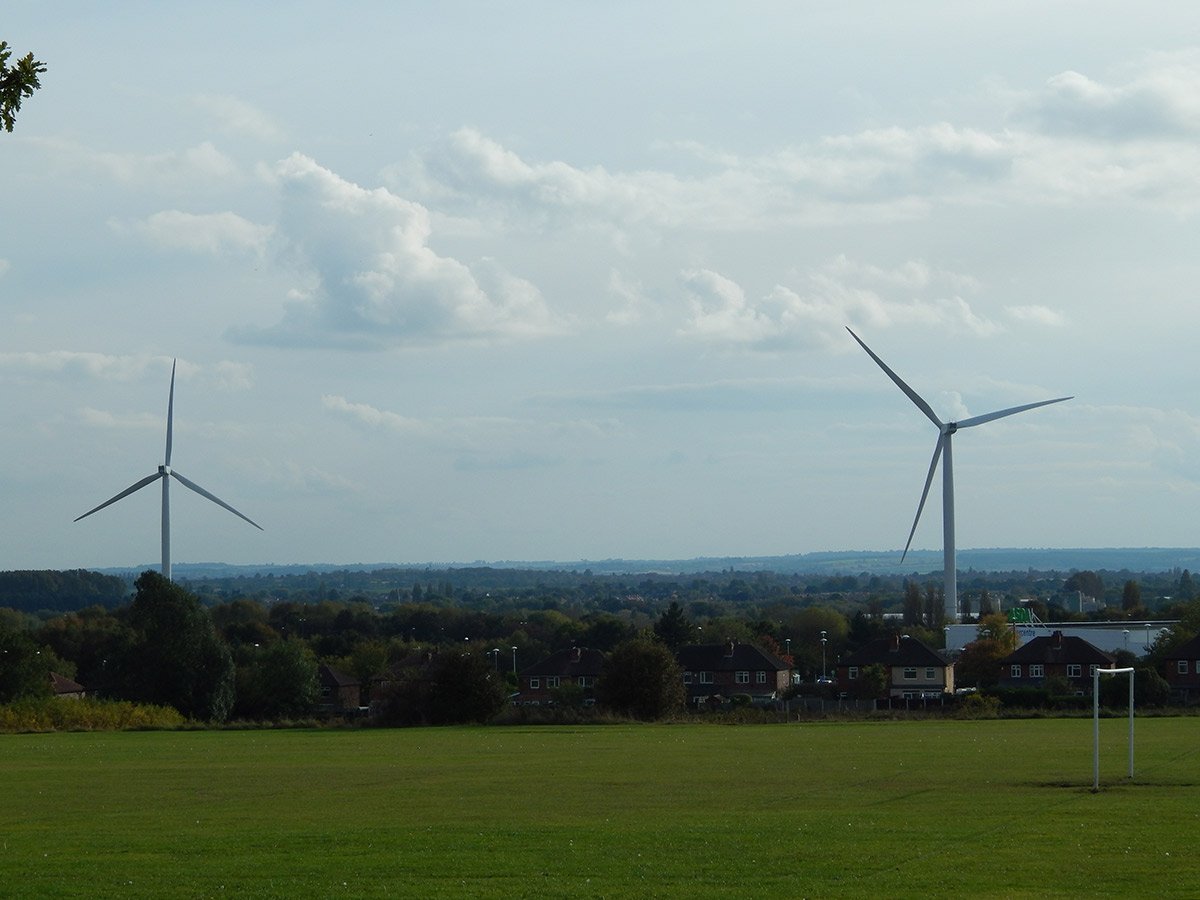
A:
<point x="162" y="474"/>
<point x="943" y="447"/>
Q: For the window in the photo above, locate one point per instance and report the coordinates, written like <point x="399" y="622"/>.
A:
<point x="929" y="675"/>
<point x="687" y="677"/>
<point x="1074" y="670"/>
<point x="551" y="681"/>
<point x="1198" y="667"/>
<point x="1037" y="670"/>
<point x="910" y="672"/>
<point x="1014" y="670"/>
<point x="741" y="677"/>
<point x="706" y="678"/>
<point x="852" y="672"/>
<point x="535" y="683"/>
<point x="1092" y="669"/>
<point x="586" y="681"/>
<point x="1182" y="667"/>
<point x="760" y="677"/>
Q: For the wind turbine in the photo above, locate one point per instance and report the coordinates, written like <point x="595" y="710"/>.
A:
<point x="162" y="474"/>
<point x="946" y="431"/>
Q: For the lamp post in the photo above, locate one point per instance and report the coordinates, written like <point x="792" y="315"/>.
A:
<point x="514" y="649"/>
<point x="823" y="641"/>
<point x="495" y="651"/>
<point x="787" y="643"/>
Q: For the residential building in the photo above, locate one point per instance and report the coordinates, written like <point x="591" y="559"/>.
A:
<point x="61" y="686"/>
<point x="713" y="672"/>
<point x="579" y="666"/>
<point x="914" y="670"/>
<point x="339" y="692"/>
<point x="1054" y="655"/>
<point x="1182" y="670"/>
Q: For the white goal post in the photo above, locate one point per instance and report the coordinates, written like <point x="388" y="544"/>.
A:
<point x="1096" y="673"/>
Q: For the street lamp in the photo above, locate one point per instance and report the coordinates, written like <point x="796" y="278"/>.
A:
<point x="496" y="658"/>
<point x="823" y="641"/>
<point x="514" y="649"/>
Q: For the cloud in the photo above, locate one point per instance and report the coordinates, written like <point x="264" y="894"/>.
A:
<point x="5" y="265"/>
<point x="1038" y="315"/>
<point x="373" y="281"/>
<point x="200" y="164"/>
<point x="224" y="375"/>
<point x="98" y="418"/>
<point x="1163" y="101"/>
<point x="841" y="292"/>
<point x="239" y="117"/>
<point x="213" y="233"/>
<point x="372" y="417"/>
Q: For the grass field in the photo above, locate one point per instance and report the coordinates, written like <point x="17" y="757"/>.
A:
<point x="884" y="809"/>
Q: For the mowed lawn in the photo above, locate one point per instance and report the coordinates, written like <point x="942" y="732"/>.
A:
<point x="881" y="809"/>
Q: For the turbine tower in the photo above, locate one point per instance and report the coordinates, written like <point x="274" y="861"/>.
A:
<point x="946" y="431"/>
<point x="165" y="473"/>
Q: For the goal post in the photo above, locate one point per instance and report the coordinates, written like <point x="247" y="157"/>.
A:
<point x="1096" y="673"/>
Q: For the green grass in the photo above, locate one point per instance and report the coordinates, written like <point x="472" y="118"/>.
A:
<point x="885" y="809"/>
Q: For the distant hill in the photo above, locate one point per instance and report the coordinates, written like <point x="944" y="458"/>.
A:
<point x="846" y="562"/>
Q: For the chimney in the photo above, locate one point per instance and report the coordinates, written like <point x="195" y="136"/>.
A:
<point x="1057" y="640"/>
<point x="729" y="648"/>
<point x="895" y="643"/>
<point x="576" y="653"/>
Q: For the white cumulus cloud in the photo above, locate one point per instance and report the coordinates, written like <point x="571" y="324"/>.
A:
<point x="371" y="279"/>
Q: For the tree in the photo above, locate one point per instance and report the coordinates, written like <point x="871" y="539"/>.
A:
<point x="176" y="657"/>
<point x="985" y="603"/>
<point x="673" y="627"/>
<point x="1087" y="583"/>
<point x="1186" y="589"/>
<point x="641" y="678"/>
<point x="16" y="83"/>
<point x="912" y="603"/>
<point x="979" y="663"/>
<point x="451" y="688"/>
<point x="872" y="683"/>
<point x="280" y="680"/>
<point x="1131" y="596"/>
<point x="24" y="669"/>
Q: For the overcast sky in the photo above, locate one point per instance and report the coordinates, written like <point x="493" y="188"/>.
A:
<point x="456" y="281"/>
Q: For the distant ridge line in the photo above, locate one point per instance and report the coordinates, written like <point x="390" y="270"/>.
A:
<point x="831" y="562"/>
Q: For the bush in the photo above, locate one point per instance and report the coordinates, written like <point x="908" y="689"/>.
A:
<point x="59" y="714"/>
<point x="979" y="706"/>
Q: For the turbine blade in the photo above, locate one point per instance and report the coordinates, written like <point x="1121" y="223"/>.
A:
<point x="1000" y="414"/>
<point x="170" y="412"/>
<point x="937" y="453"/>
<point x="912" y="395"/>
<point x="149" y="479"/>
<point x="213" y="497"/>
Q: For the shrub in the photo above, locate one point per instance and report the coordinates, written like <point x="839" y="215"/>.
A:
<point x="59" y="714"/>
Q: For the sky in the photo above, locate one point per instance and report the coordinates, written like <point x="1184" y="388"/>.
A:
<point x="465" y="282"/>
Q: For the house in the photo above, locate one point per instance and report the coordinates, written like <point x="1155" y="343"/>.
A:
<point x="725" y="670"/>
<point x="61" y="686"/>
<point x="339" y="692"/>
<point x="578" y="665"/>
<point x="1182" y="670"/>
<point x="1054" y="655"/>
<point x="914" y="670"/>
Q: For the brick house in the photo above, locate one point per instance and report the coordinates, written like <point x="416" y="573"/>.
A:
<point x="1181" y="669"/>
<point x="61" y="686"/>
<point x="724" y="670"/>
<point x="339" y="692"/>
<point x="1064" y="656"/>
<point x="914" y="670"/>
<point x="578" y="665"/>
